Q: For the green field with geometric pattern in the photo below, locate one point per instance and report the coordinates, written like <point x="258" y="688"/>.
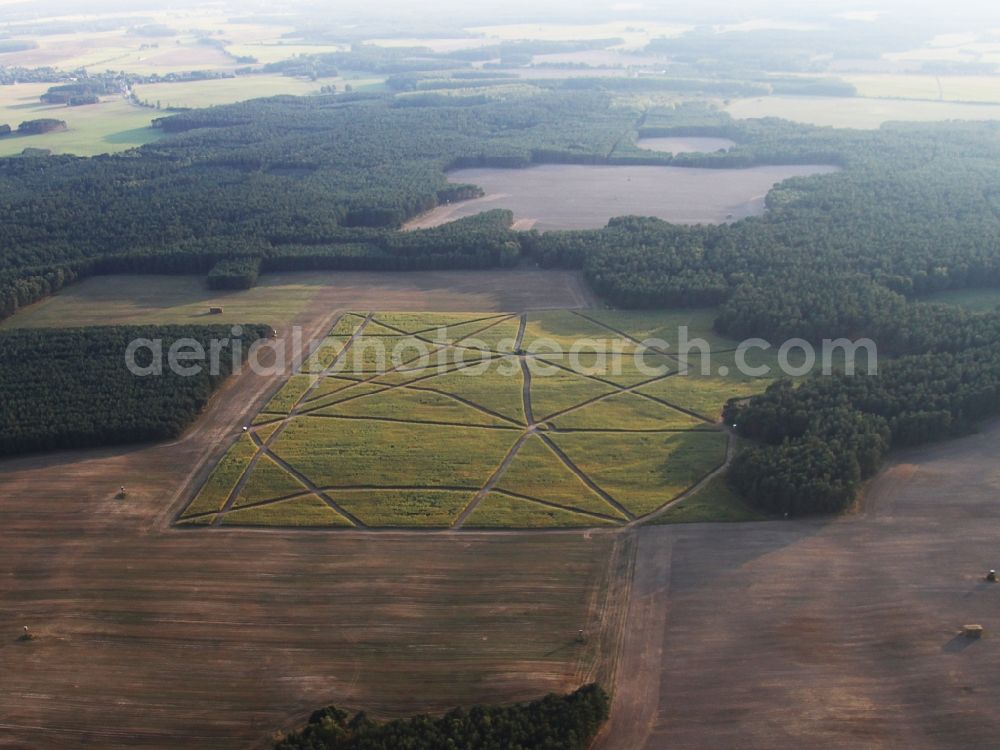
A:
<point x="553" y="419"/>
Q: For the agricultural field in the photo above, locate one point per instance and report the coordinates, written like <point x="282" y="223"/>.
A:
<point x="211" y="92"/>
<point x="214" y="91"/>
<point x="975" y="300"/>
<point x="283" y="298"/>
<point x="155" y="43"/>
<point x="154" y="300"/>
<point x="713" y="502"/>
<point x="634" y="34"/>
<point x="952" y="88"/>
<point x="271" y="52"/>
<point x="579" y="196"/>
<point x="156" y="621"/>
<point x="112" y="125"/>
<point x="818" y="632"/>
<point x="951" y="48"/>
<point x="436" y="44"/>
<point x="555" y="419"/>
<point x="857" y="112"/>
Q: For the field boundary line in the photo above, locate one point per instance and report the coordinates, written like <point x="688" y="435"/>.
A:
<point x="554" y="429"/>
<point x="397" y="420"/>
<point x="493" y="479"/>
<point x="436" y="327"/>
<point x="589" y="483"/>
<point x="585" y="478"/>
<point x="727" y="461"/>
<point x="610" y="605"/>
<point x="309" y="485"/>
<point x="557" y="506"/>
<point x="409" y="386"/>
<point x="633" y="339"/>
<point x="199" y="474"/>
<point x="256" y="504"/>
<point x="675" y="407"/>
<point x="336" y="489"/>
<point x="263" y="444"/>
<point x="502" y="318"/>
<point x="326" y="371"/>
<point x="314" y="405"/>
<point x="466" y="402"/>
<point x="628" y="336"/>
<point x="637" y="673"/>
<point x="457" y="343"/>
<point x="625" y="389"/>
<point x="526" y="406"/>
<point x="598" y="378"/>
<point x="373" y="377"/>
<point x="522" y="326"/>
<point x="463" y="323"/>
<point x="619" y="390"/>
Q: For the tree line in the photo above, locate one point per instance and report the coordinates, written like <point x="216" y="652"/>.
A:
<point x="553" y="723"/>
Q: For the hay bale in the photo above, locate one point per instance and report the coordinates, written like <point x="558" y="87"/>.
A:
<point x="972" y="631"/>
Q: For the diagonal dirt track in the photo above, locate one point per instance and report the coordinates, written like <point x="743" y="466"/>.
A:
<point x="583" y="477"/>
<point x="491" y="482"/>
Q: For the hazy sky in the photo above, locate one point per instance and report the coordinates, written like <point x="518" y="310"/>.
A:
<point x="971" y="14"/>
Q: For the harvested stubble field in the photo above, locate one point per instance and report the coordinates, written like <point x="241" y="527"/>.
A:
<point x="468" y="421"/>
<point x="823" y="633"/>
<point x="149" y="636"/>
<point x="587" y="196"/>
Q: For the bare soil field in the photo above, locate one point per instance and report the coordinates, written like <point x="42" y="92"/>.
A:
<point x="573" y="196"/>
<point x="829" y="634"/>
<point x="148" y="636"/>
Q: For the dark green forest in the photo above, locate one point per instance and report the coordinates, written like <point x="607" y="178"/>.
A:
<point x="70" y="388"/>
<point x="553" y="723"/>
